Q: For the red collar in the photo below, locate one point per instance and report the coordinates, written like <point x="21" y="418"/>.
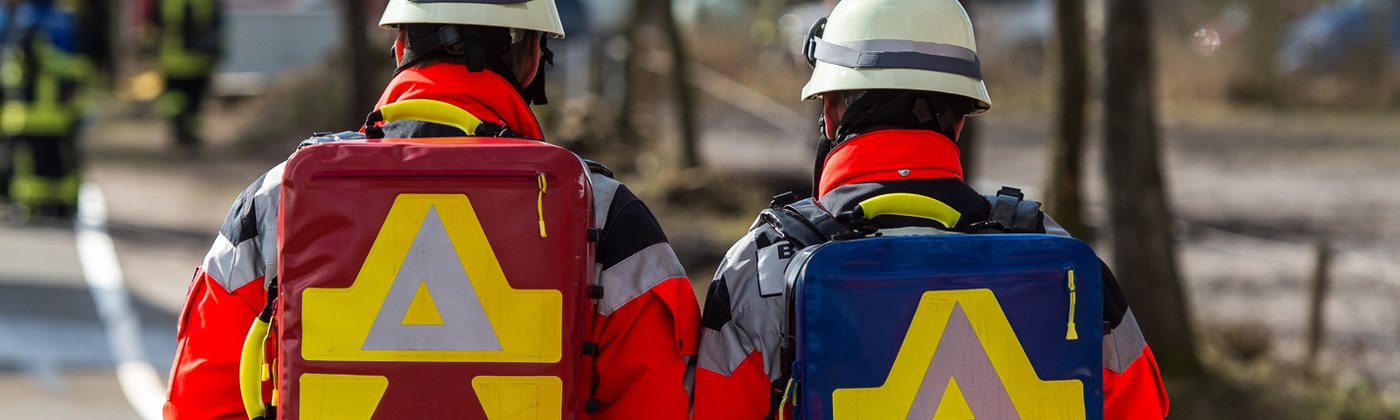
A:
<point x="882" y="155"/>
<point x="485" y="94"/>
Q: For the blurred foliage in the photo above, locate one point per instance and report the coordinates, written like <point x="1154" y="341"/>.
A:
<point x="1244" y="379"/>
<point x="1269" y="389"/>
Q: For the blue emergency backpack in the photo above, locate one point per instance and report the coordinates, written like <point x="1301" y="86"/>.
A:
<point x="925" y="323"/>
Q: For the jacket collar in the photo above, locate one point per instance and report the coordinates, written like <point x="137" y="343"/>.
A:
<point x="891" y="155"/>
<point x="484" y="94"/>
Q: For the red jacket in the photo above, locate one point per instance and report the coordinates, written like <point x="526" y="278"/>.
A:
<point x="644" y="324"/>
<point x="739" y="366"/>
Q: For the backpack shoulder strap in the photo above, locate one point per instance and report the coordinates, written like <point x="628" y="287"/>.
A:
<point x="1011" y="213"/>
<point x="598" y="168"/>
<point x="802" y="222"/>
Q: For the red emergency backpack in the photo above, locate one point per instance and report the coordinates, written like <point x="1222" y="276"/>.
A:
<point x="429" y="278"/>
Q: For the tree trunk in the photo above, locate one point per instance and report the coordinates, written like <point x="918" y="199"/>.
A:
<point x="1065" y="199"/>
<point x="1260" y="80"/>
<point x="683" y="98"/>
<point x="625" y="130"/>
<point x="681" y="95"/>
<point x="363" y="94"/>
<point x="1140" y="215"/>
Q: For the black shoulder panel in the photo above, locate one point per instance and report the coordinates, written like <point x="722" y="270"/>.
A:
<point x="630" y="228"/>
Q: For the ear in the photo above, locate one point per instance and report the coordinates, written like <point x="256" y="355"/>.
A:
<point x="832" y="110"/>
<point x="400" y="42"/>
<point x="530" y="66"/>
<point x="957" y="128"/>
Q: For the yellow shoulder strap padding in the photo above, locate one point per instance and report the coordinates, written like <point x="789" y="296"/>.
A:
<point x="910" y="205"/>
<point x="428" y="110"/>
<point x="250" y="369"/>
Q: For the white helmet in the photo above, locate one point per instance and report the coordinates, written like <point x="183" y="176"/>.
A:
<point x="896" y="44"/>
<point x="537" y="15"/>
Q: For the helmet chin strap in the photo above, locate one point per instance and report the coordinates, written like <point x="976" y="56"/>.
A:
<point x="824" y="146"/>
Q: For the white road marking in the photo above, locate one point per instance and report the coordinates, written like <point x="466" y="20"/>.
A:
<point x="142" y="385"/>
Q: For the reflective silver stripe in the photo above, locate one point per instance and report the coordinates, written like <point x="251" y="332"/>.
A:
<point x="722" y="351"/>
<point x="637" y="274"/>
<point x="758" y="326"/>
<point x="266" y="202"/>
<point x="955" y="360"/>
<point x="1123" y="345"/>
<point x="756" y="322"/>
<point x="233" y="266"/>
<point x="899" y="54"/>
<point x="905" y="45"/>
<point x="432" y="264"/>
<point x="474" y="1"/>
<point x="604" y="189"/>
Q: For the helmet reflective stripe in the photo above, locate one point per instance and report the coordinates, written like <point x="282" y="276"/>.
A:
<point x="921" y="45"/>
<point x="474" y="1"/>
<point x="899" y="54"/>
<point x="535" y="15"/>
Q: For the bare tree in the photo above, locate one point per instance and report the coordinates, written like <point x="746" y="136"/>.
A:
<point x="680" y="87"/>
<point x="1065" y="198"/>
<point x="684" y="100"/>
<point x="1140" y="215"/>
<point x="1259" y="79"/>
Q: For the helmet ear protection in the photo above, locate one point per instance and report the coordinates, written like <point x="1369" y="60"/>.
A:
<point x="809" y="45"/>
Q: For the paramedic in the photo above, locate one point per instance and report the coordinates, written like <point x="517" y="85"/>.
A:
<point x="896" y="79"/>
<point x="485" y="57"/>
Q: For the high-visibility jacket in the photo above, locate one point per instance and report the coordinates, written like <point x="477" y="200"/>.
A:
<point x="43" y="74"/>
<point x="43" y="69"/>
<point x="645" y="324"/>
<point x="190" y="36"/>
<point x="740" y="362"/>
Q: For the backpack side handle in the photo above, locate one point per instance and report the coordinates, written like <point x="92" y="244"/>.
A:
<point x="251" y="364"/>
<point x="426" y="110"/>
<point x="908" y="205"/>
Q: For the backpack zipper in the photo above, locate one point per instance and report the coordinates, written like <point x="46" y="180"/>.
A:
<point x="1070" y="333"/>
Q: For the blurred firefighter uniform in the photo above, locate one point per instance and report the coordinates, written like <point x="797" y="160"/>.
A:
<point x="45" y="71"/>
<point x="190" y="38"/>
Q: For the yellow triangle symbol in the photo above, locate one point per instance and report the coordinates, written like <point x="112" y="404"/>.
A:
<point x="953" y="406"/>
<point x="422" y="311"/>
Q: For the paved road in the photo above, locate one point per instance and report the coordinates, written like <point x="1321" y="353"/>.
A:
<point x="90" y="335"/>
<point x="56" y="349"/>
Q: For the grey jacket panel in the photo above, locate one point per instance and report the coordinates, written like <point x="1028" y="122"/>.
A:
<point x="237" y="256"/>
<point x="751" y="276"/>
